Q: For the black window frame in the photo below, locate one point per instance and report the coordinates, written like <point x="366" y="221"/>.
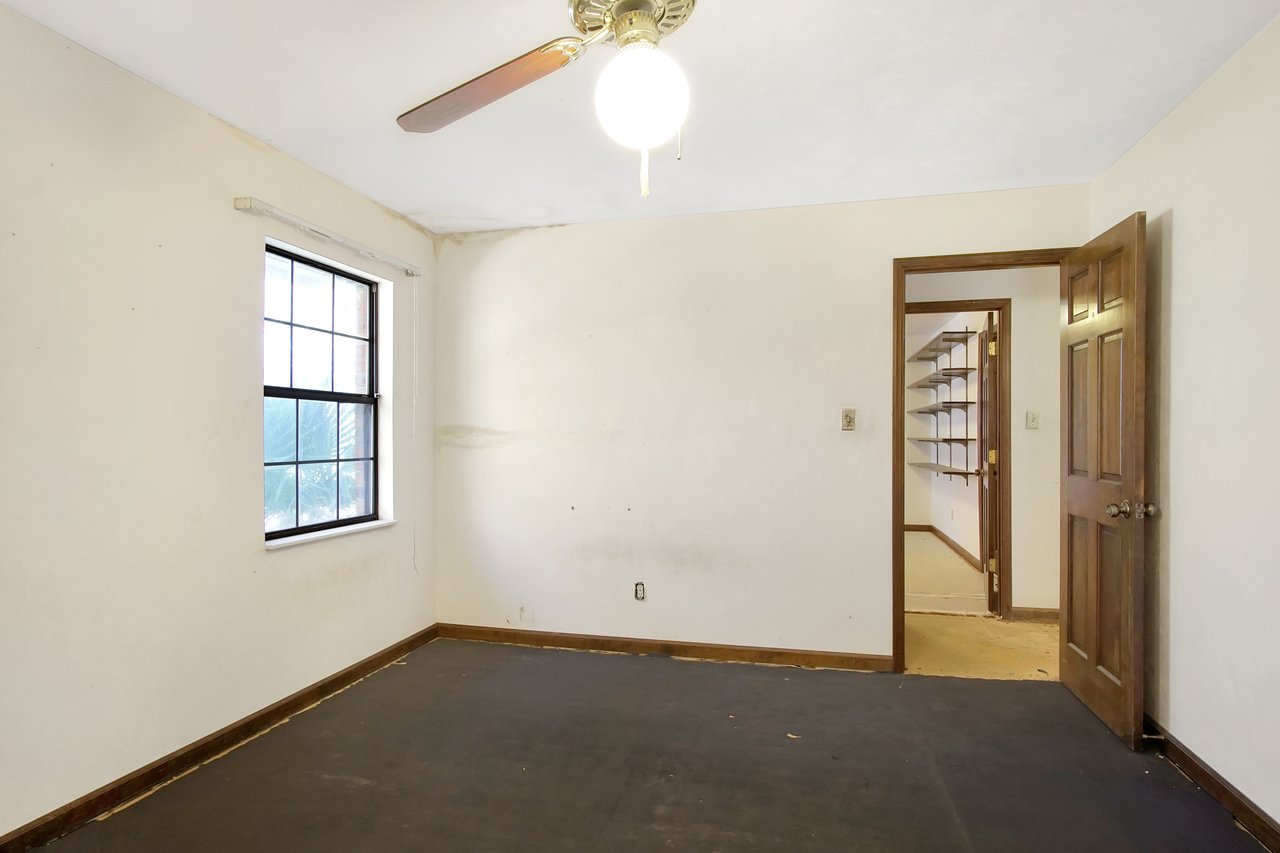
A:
<point x="370" y="399"/>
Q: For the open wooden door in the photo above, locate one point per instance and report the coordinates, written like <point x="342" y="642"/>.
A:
<point x="988" y="443"/>
<point x="1104" y="478"/>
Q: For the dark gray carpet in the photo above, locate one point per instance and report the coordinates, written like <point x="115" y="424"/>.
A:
<point x="473" y="747"/>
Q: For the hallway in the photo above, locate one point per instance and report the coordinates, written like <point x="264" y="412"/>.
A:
<point x="938" y="580"/>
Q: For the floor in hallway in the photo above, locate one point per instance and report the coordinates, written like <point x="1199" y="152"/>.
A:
<point x="981" y="647"/>
<point x="938" y="580"/>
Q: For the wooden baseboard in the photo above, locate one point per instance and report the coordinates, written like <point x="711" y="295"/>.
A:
<point x="1258" y="823"/>
<point x="703" y="651"/>
<point x="1045" y="615"/>
<point x="59" y="822"/>
<point x="947" y="540"/>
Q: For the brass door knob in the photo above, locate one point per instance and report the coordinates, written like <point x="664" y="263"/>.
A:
<point x="1120" y="510"/>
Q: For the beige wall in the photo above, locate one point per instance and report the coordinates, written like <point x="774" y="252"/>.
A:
<point x="139" y="610"/>
<point x="1209" y="178"/>
<point x="659" y="401"/>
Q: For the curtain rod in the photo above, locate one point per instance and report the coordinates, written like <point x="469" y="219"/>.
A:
<point x="248" y="204"/>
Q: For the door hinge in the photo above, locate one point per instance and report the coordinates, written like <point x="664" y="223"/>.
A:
<point x="992" y="457"/>
<point x="993" y="349"/>
<point x="993" y="567"/>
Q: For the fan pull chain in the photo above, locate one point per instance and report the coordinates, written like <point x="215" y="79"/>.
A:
<point x="644" y="173"/>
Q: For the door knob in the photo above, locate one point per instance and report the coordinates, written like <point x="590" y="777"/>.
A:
<point x="1120" y="510"/>
<point x="1145" y="510"/>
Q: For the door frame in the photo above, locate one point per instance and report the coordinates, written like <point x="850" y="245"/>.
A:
<point x="902" y="267"/>
<point x="1003" y="308"/>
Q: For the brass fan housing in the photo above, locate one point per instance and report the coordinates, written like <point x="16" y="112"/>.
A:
<point x="629" y="21"/>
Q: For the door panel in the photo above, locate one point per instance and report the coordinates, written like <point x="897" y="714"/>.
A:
<point x="1103" y="458"/>
<point x="1111" y="416"/>
<point x="1111" y="573"/>
<point x="1077" y="409"/>
<point x="1081" y="290"/>
<point x="1076" y="600"/>
<point x="1112" y="281"/>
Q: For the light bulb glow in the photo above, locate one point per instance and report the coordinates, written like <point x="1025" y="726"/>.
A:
<point x="642" y="97"/>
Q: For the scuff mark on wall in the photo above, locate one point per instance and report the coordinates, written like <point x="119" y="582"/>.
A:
<point x="468" y="436"/>
<point x="678" y="556"/>
<point x="462" y="435"/>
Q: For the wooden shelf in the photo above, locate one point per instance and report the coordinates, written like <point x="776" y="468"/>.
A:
<point x="943" y="408"/>
<point x="944" y="469"/>
<point x="943" y="377"/>
<point x="956" y="370"/>
<point x="941" y="345"/>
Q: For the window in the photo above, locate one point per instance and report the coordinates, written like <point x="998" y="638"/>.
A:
<point x="319" y="407"/>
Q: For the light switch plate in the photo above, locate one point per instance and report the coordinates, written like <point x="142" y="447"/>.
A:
<point x="848" y="419"/>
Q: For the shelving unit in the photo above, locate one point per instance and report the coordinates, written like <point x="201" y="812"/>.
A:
<point x="944" y="377"/>
<point x="944" y="407"/>
<point x="943" y="380"/>
<point x="942" y="469"/>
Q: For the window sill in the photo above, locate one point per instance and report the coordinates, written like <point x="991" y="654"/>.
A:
<point x="304" y="538"/>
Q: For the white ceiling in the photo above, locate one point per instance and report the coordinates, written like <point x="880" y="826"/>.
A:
<point x="794" y="101"/>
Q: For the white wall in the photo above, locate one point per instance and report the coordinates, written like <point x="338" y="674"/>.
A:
<point x="1034" y="387"/>
<point x="139" y="610"/>
<point x="1209" y="178"/>
<point x="659" y="401"/>
<point x="947" y="503"/>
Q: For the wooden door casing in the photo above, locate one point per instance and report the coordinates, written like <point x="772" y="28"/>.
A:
<point x="1103" y="463"/>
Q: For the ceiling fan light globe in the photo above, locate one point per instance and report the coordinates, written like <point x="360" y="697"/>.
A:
<point x="642" y="97"/>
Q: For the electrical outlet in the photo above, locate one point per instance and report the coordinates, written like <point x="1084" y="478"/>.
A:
<point x="1033" y="420"/>
<point x="848" y="419"/>
<point x="639" y="590"/>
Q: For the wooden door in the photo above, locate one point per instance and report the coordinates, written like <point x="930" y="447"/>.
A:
<point x="1103" y="475"/>
<point x="989" y="420"/>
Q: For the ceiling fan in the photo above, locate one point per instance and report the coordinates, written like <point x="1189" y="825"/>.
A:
<point x="642" y="97"/>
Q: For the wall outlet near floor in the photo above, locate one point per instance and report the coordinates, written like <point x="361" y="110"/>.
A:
<point x="848" y="420"/>
<point x="1033" y="420"/>
<point x="639" y="590"/>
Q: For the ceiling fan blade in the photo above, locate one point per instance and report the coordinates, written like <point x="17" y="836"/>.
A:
<point x="445" y="109"/>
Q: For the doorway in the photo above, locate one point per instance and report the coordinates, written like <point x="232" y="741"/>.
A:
<point x="957" y="394"/>
<point x="981" y="497"/>
<point x="956" y="465"/>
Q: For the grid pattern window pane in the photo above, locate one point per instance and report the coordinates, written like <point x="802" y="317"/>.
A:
<point x="319" y="409"/>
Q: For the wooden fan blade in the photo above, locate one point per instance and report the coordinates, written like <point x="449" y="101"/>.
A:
<point x="445" y="109"/>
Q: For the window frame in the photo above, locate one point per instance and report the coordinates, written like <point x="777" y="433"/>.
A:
<point x="298" y="394"/>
